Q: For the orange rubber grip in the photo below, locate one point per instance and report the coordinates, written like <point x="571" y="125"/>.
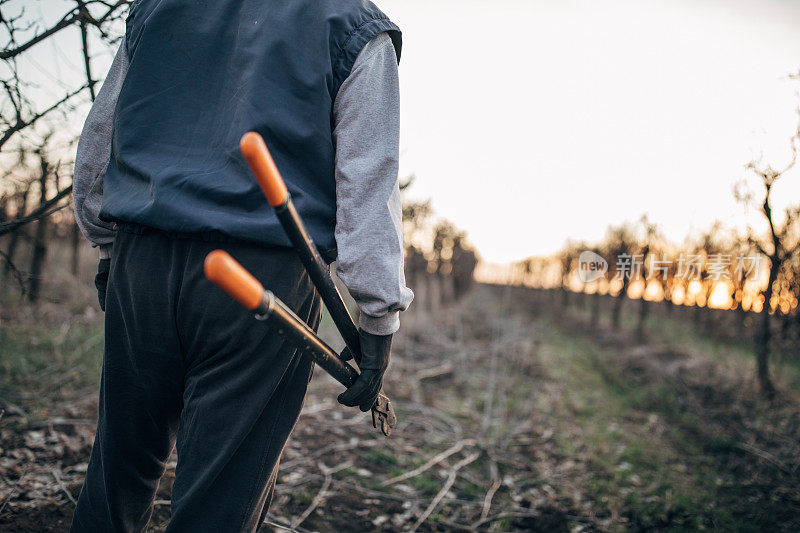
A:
<point x="230" y="276"/>
<point x="255" y="151"/>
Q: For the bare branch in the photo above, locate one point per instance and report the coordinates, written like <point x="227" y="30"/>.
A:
<point x="76" y="15"/>
<point x="19" y="277"/>
<point x="451" y="479"/>
<point x="24" y="123"/>
<point x="44" y="210"/>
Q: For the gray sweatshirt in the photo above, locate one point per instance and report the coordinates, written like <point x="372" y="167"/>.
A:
<point x="369" y="233"/>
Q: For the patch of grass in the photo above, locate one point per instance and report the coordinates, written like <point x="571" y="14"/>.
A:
<point x="43" y="361"/>
<point x="380" y="457"/>
<point x="723" y="445"/>
<point x="426" y="482"/>
<point x="636" y="473"/>
<point x="303" y="497"/>
<point x="731" y="353"/>
<point x="682" y="330"/>
<point x="643" y="454"/>
<point x="472" y="491"/>
<point x="348" y="471"/>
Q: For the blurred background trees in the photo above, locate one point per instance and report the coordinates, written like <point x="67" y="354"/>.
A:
<point x="439" y="263"/>
<point x="734" y="284"/>
<point x="37" y="139"/>
<point x="780" y="247"/>
<point x="754" y="274"/>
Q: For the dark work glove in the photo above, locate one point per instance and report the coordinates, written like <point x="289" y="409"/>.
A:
<point x="101" y="281"/>
<point x="374" y="360"/>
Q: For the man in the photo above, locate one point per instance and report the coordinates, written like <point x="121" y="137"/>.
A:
<point x="159" y="182"/>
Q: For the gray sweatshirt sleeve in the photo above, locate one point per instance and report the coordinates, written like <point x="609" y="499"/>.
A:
<point x="94" y="152"/>
<point x="369" y="222"/>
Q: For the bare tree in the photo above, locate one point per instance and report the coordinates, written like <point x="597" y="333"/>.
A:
<point x="566" y="258"/>
<point x="464" y="261"/>
<point x="780" y="244"/>
<point x="647" y="245"/>
<point x="620" y="245"/>
<point x="788" y="296"/>
<point x="667" y="276"/>
<point x="24" y="108"/>
<point x="740" y="273"/>
<point x="19" y="33"/>
<point x="15" y="202"/>
<point x="40" y="236"/>
<point x="596" y="297"/>
<point x="712" y="249"/>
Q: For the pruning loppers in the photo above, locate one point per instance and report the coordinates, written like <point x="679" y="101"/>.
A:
<point x="229" y="275"/>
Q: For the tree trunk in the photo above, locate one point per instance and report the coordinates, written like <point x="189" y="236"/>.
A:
<point x="595" y="309"/>
<point x="741" y="322"/>
<point x="762" y="338"/>
<point x="698" y="313"/>
<point x="670" y="305"/>
<point x="616" y="315"/>
<point x="11" y="250"/>
<point x="617" y="312"/>
<point x="708" y="316"/>
<point x="75" y="244"/>
<point x="644" y="308"/>
<point x="22" y="204"/>
<point x="741" y="314"/>
<point x="786" y="327"/>
<point x="40" y="238"/>
<point x="37" y="261"/>
<point x="796" y="316"/>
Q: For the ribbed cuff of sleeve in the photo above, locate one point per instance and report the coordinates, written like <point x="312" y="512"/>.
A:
<point x="380" y="325"/>
<point x="105" y="251"/>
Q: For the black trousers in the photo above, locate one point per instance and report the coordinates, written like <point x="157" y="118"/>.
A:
<point x="185" y="365"/>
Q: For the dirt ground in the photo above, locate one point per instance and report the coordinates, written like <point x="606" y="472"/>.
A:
<point x="515" y="415"/>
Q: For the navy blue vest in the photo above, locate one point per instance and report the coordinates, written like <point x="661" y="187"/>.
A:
<point x="204" y="72"/>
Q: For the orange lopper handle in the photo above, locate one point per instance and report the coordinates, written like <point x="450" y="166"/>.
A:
<point x="255" y="151"/>
<point x="230" y="276"/>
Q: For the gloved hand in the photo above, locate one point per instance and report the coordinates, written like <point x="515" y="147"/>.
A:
<point x="101" y="281"/>
<point x="374" y="361"/>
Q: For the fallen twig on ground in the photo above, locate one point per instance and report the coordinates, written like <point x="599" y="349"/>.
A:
<point x="318" y="498"/>
<point x="451" y="479"/>
<point x="487" y="501"/>
<point x="433" y="461"/>
<point x="60" y="482"/>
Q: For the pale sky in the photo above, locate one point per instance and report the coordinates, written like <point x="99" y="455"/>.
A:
<point x="530" y="122"/>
